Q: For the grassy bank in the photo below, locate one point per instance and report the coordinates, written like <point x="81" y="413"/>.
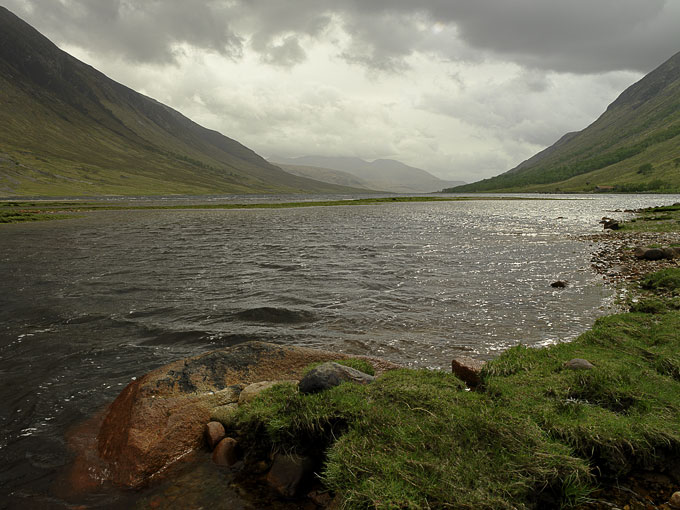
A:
<point x="536" y="434"/>
<point x="15" y="211"/>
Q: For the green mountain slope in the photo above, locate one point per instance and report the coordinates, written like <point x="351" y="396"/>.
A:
<point x="67" y="129"/>
<point x="633" y="146"/>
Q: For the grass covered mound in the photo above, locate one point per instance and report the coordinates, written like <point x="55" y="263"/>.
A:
<point x="537" y="434"/>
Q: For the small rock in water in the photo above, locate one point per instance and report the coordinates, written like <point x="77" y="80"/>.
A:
<point x="226" y="452"/>
<point x="288" y="474"/>
<point x="331" y="374"/>
<point x="675" y="500"/>
<point x="214" y="433"/>
<point x="559" y="284"/>
<point x="467" y="370"/>
<point x="579" y="364"/>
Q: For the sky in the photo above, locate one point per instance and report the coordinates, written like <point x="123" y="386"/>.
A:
<point x="465" y="89"/>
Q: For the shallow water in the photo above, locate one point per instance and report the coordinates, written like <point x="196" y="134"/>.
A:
<point x="89" y="303"/>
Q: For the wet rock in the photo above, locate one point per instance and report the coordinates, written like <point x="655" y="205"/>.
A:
<point x="161" y="416"/>
<point x="579" y="364"/>
<point x="289" y="473"/>
<point x="226" y="452"/>
<point x="467" y="370"/>
<point x="331" y="374"/>
<point x="253" y="390"/>
<point x="611" y="225"/>
<point x="559" y="284"/>
<point x="214" y="433"/>
<point x="675" y="500"/>
<point x="650" y="253"/>
<point x="322" y="499"/>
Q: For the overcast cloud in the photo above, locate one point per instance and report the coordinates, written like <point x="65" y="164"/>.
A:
<point x="465" y="89"/>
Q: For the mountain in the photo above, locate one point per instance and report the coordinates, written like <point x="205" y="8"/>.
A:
<point x="326" y="175"/>
<point x="381" y="174"/>
<point x="633" y="146"/>
<point x="67" y="129"/>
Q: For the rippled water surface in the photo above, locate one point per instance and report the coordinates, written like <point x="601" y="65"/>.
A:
<point x="89" y="303"/>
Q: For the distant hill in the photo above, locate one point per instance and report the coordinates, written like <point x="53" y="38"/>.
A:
<point x="381" y="174"/>
<point x="67" y="129"/>
<point x="326" y="175"/>
<point x="633" y="147"/>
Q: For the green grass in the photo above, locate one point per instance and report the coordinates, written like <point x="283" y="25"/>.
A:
<point x="656" y="219"/>
<point x="536" y="434"/>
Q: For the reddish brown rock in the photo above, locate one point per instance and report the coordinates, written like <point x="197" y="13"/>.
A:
<point x="214" y="433"/>
<point x="289" y="473"/>
<point x="467" y="370"/>
<point x="675" y="500"/>
<point x="226" y="452"/>
<point x="160" y="417"/>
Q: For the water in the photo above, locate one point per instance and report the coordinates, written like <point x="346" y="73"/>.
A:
<point x="88" y="304"/>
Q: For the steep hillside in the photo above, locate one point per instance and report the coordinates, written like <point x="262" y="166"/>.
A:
<point x="67" y="129"/>
<point x="381" y="174"/>
<point x="633" y="146"/>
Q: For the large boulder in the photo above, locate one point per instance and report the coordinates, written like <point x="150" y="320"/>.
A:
<point x="328" y="375"/>
<point x="161" y="416"/>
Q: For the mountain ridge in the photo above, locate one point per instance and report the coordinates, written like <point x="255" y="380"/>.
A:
<point x="381" y="174"/>
<point x="631" y="147"/>
<point x="68" y="129"/>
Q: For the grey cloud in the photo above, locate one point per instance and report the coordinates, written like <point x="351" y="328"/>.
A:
<point x="580" y="36"/>
<point x="139" y="31"/>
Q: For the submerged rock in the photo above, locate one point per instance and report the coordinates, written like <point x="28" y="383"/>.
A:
<point x="331" y="374"/>
<point x="226" y="452"/>
<point x="289" y="473"/>
<point x="559" y="284"/>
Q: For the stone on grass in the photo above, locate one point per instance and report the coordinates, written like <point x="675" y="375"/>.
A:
<point x="650" y="253"/>
<point x="214" y="433"/>
<point x="226" y="452"/>
<point x="253" y="390"/>
<point x="467" y="370"/>
<point x="579" y="364"/>
<point x="328" y="375"/>
<point x="289" y="473"/>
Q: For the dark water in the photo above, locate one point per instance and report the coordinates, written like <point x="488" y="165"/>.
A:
<point x="88" y="304"/>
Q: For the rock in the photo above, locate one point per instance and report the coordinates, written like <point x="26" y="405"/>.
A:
<point x="160" y="417"/>
<point x="214" y="433"/>
<point x="322" y="499"/>
<point x="223" y="414"/>
<point x="669" y="253"/>
<point x="579" y="364"/>
<point x="226" y="452"/>
<point x="650" y="253"/>
<point x="289" y="473"/>
<point x="611" y="225"/>
<point x="675" y="500"/>
<point x="331" y="374"/>
<point x="253" y="390"/>
<point x="467" y="370"/>
<point x="559" y="284"/>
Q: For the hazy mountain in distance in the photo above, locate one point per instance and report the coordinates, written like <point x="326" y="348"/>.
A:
<point x="634" y="146"/>
<point x="67" y="129"/>
<point x="326" y="175"/>
<point x="381" y="174"/>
